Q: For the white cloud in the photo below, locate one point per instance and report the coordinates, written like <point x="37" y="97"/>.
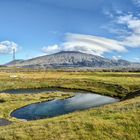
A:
<point x="118" y="11"/>
<point x="130" y="21"/>
<point x="128" y="32"/>
<point x="133" y="24"/>
<point x="7" y="47"/>
<point x="108" y="13"/>
<point x="136" y="59"/>
<point x="51" y="49"/>
<point x="116" y="57"/>
<point x="92" y="44"/>
<point x="87" y="44"/>
<point x="120" y="33"/>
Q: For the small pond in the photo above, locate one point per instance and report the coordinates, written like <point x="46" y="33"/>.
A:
<point x="81" y="101"/>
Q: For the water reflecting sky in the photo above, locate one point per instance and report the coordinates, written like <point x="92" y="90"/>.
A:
<point x="54" y="108"/>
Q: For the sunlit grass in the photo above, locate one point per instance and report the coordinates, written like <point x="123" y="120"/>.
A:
<point x="119" y="121"/>
<point x="112" y="84"/>
<point x="11" y="102"/>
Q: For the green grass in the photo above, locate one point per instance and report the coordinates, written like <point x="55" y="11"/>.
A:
<point x="11" y="102"/>
<point x="119" y="121"/>
<point x="111" y="84"/>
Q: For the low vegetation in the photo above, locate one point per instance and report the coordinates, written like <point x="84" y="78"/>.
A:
<point x="108" y="83"/>
<point x="14" y="101"/>
<point x="111" y="122"/>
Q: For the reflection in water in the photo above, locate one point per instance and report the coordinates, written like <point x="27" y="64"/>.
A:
<point x="54" y="108"/>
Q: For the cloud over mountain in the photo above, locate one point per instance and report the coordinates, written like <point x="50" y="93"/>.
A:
<point x="129" y="38"/>
<point x="87" y="44"/>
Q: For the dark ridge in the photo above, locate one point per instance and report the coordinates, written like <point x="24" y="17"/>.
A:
<point x="61" y="52"/>
<point x="132" y="95"/>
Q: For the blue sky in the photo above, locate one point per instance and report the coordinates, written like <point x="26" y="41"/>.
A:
<point x="108" y="28"/>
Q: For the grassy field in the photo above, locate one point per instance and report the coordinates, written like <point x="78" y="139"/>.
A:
<point x="108" y="83"/>
<point x="119" y="121"/>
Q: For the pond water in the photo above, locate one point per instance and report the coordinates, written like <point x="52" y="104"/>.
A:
<point x="80" y="101"/>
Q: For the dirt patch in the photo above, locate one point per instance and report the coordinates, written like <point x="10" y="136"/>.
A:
<point x="132" y="95"/>
<point x="4" y="122"/>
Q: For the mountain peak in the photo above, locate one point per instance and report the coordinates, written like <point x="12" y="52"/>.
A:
<point x="70" y="59"/>
<point x="61" y="52"/>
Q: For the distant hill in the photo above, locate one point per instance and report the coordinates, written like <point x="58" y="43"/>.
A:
<point x="71" y="59"/>
<point x="14" y="62"/>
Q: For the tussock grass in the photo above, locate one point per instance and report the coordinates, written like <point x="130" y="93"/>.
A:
<point x="111" y="122"/>
<point x="14" y="101"/>
<point x="119" y="121"/>
<point x="111" y="84"/>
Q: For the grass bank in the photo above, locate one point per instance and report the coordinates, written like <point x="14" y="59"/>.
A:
<point x="111" y="122"/>
<point x="106" y="83"/>
<point x="10" y="102"/>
